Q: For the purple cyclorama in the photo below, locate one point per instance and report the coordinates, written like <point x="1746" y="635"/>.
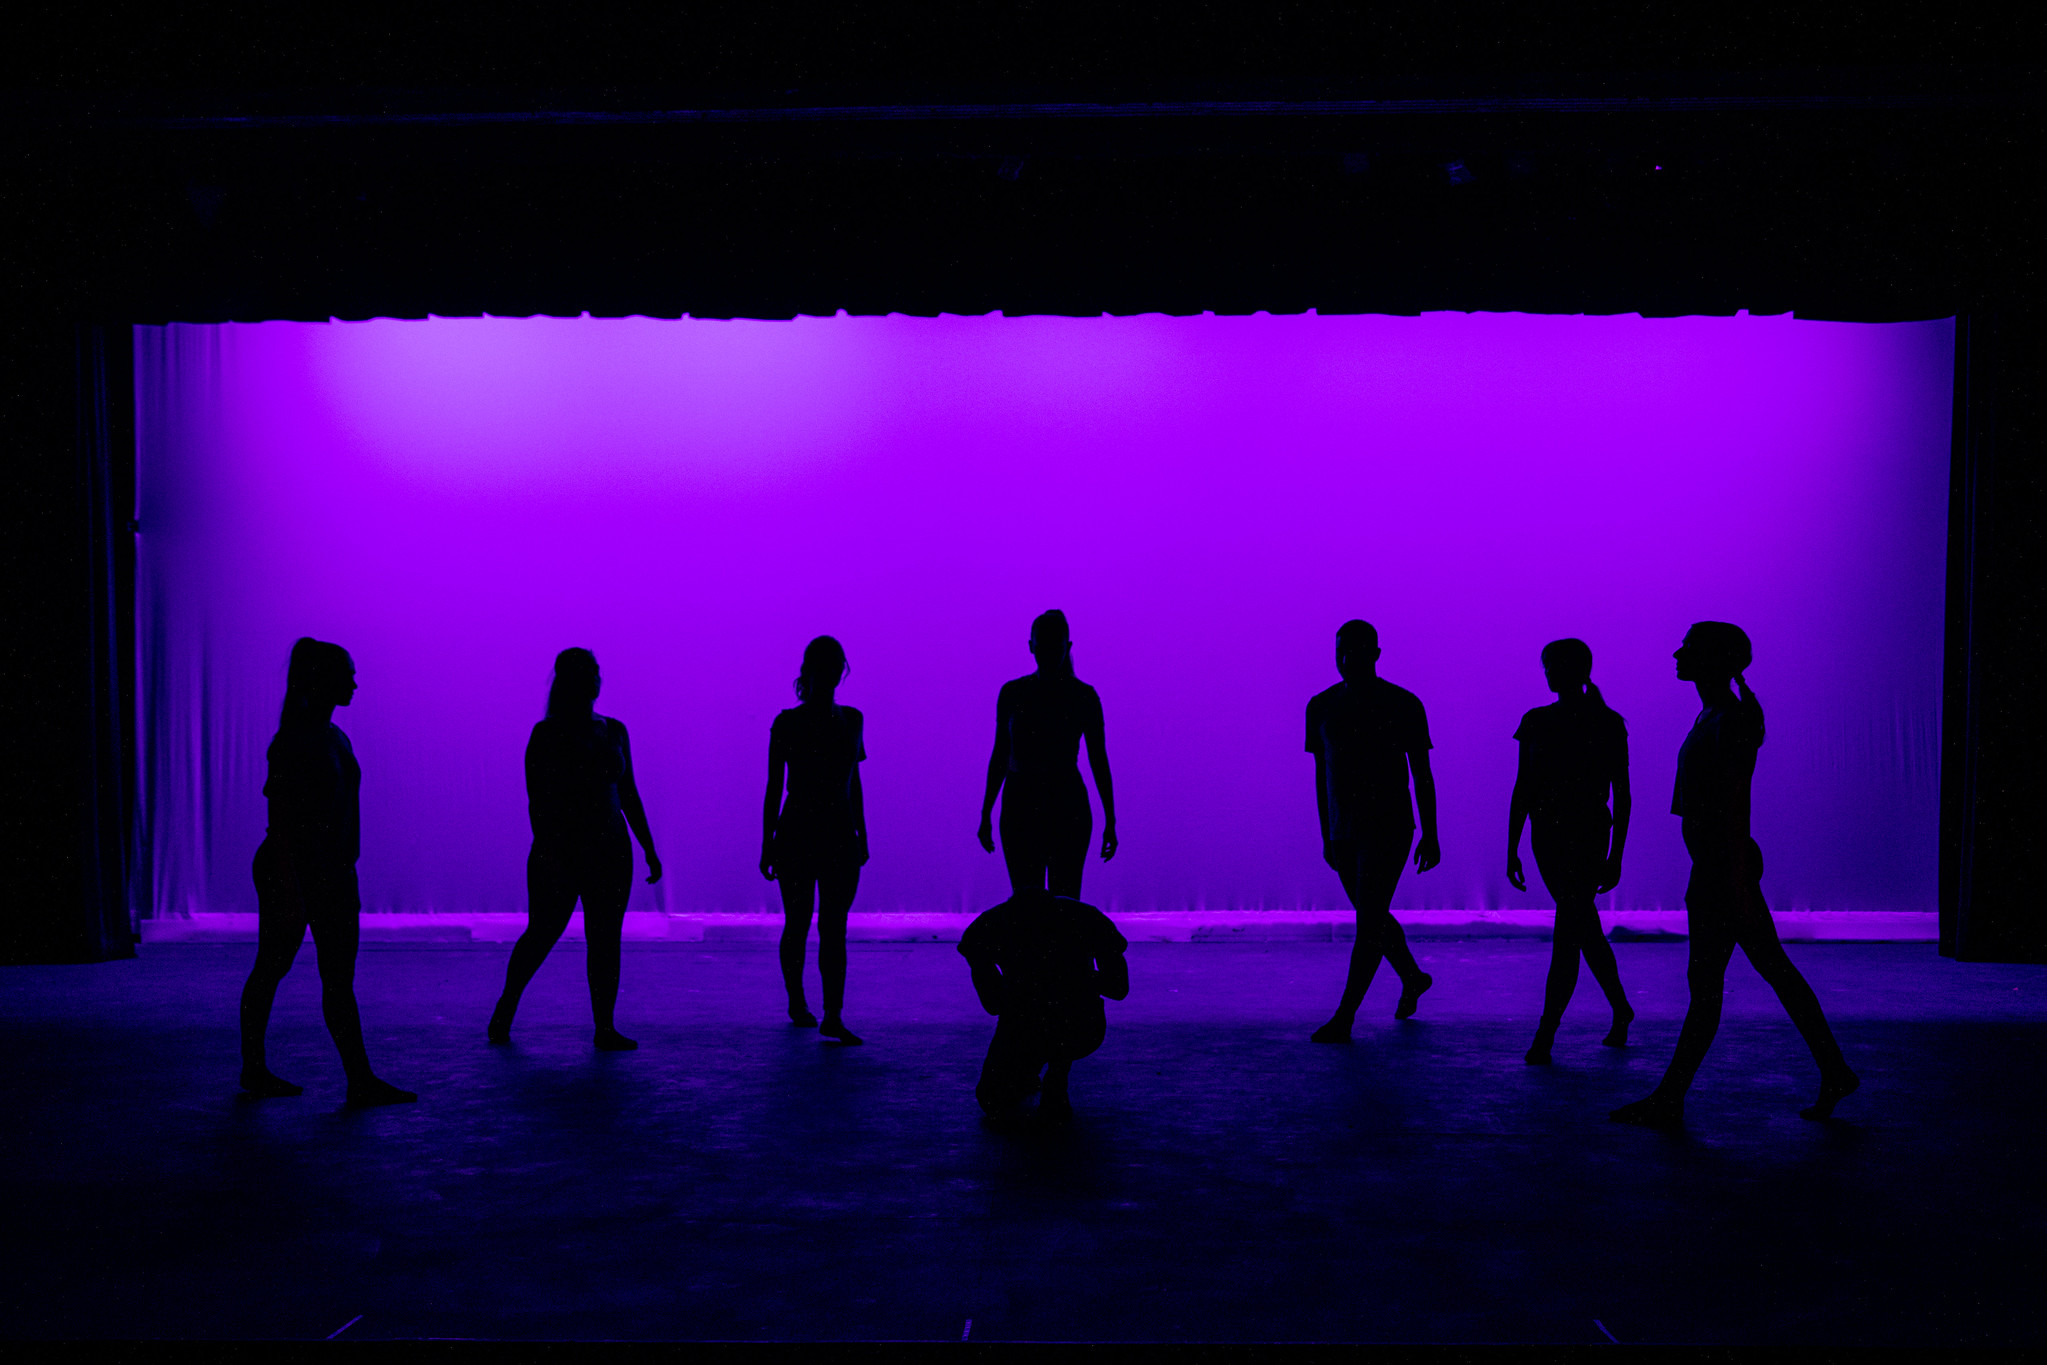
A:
<point x="1207" y="498"/>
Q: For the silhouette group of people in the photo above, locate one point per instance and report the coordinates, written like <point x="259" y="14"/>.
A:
<point x="1043" y="960"/>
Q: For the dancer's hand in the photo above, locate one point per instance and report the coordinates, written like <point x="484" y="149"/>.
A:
<point x="1329" y="855"/>
<point x="1515" y="874"/>
<point x="1109" y="841"/>
<point x="987" y="834"/>
<point x="860" y="837"/>
<point x="768" y="861"/>
<point x="653" y="867"/>
<point x="1611" y="878"/>
<point x="1427" y="853"/>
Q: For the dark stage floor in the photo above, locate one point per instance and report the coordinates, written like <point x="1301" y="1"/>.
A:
<point x="1225" y="1180"/>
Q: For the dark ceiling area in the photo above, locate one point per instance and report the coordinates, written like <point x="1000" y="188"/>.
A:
<point x="1069" y="159"/>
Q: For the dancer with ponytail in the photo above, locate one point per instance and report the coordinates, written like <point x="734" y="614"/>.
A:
<point x="1040" y="720"/>
<point x="305" y="873"/>
<point x="580" y="796"/>
<point x="815" y="844"/>
<point x="1573" y="753"/>
<point x="1724" y="901"/>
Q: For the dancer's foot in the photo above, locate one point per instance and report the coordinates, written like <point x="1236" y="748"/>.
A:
<point x="1411" y="994"/>
<point x="499" y="1030"/>
<point x="1055" y="1109"/>
<point x="611" y="1040"/>
<point x="1335" y="1031"/>
<point x="835" y="1027"/>
<point x="801" y="1017"/>
<point x="262" y="1085"/>
<point x="1833" y="1090"/>
<point x="373" y="1092"/>
<point x="1617" y="1036"/>
<point x="1652" y="1112"/>
<point x="1537" y="1055"/>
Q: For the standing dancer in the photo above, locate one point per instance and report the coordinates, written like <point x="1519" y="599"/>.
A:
<point x="1573" y="752"/>
<point x="1724" y="901"/>
<point x="305" y="873"/>
<point x="1366" y="735"/>
<point x="816" y="844"/>
<point x="1040" y="720"/>
<point x="580" y="796"/>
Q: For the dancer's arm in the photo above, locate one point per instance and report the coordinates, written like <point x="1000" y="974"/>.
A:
<point x="1517" y="817"/>
<point x="1623" y="807"/>
<point x="1428" y="852"/>
<point x="1098" y="761"/>
<point x="998" y="769"/>
<point x="859" y="816"/>
<point x="1112" y="975"/>
<point x="771" y="809"/>
<point x="1322" y="809"/>
<point x="987" y="983"/>
<point x="635" y="811"/>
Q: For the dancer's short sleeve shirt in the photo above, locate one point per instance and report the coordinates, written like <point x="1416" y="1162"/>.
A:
<point x="1570" y="754"/>
<point x="1363" y="734"/>
<point x="822" y="746"/>
<point x="1716" y="765"/>
<point x="314" y="787"/>
<point x="574" y="768"/>
<point x="1046" y="949"/>
<point x="1043" y="719"/>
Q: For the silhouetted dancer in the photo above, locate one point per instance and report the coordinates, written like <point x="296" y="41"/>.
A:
<point x="1042" y="964"/>
<point x="580" y="796"/>
<point x="1040" y="720"/>
<point x="816" y="843"/>
<point x="1724" y="903"/>
<point x="1366" y="734"/>
<point x="1573" y="753"/>
<point x="305" y="873"/>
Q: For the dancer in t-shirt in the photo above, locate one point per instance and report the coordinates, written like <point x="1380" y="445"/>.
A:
<point x="305" y="873"/>
<point x="815" y="844"/>
<point x="1573" y="753"/>
<point x="1367" y="735"/>
<point x="580" y="797"/>
<point x="1724" y="904"/>
<point x="1040" y="720"/>
<point x="1042" y="964"/>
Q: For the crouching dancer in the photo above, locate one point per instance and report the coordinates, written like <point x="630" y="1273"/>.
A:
<point x="1042" y="964"/>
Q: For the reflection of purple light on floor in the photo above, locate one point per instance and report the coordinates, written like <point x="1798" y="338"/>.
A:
<point x="1227" y="1180"/>
<point x="1205" y="497"/>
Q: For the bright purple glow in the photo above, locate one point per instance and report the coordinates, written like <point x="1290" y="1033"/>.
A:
<point x="1207" y="498"/>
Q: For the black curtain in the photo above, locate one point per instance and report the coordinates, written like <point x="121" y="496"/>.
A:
<point x="1994" y="741"/>
<point x="66" y="814"/>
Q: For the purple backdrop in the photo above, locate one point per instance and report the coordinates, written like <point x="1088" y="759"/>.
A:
<point x="1207" y="498"/>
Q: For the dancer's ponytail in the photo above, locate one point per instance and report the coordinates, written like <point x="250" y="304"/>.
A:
<point x="1750" y="703"/>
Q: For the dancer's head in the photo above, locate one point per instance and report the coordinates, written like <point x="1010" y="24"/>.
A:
<point x="576" y="683"/>
<point x="1567" y="668"/>
<point x="321" y="675"/>
<point x="824" y="668"/>
<point x="1051" y="644"/>
<point x="1357" y="651"/>
<point x="1715" y="652"/>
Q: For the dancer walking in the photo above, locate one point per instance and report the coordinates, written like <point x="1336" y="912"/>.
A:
<point x="1574" y="752"/>
<point x="1367" y="735"/>
<point x="580" y="796"/>
<point x="305" y="873"/>
<point x="1724" y="904"/>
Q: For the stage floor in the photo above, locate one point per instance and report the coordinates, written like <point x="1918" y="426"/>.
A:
<point x="1225" y="1180"/>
